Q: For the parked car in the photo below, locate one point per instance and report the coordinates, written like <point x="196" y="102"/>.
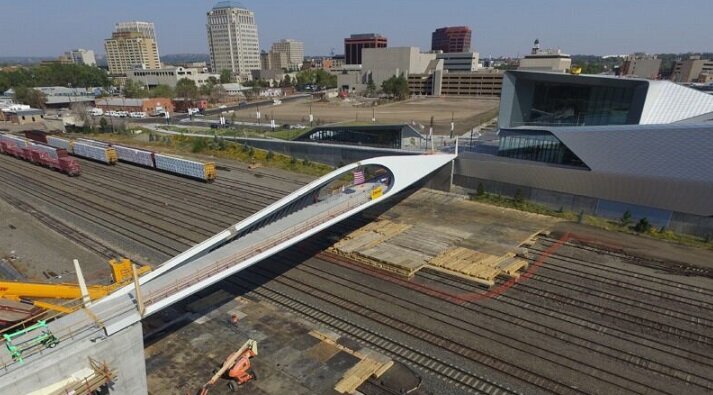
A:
<point x="95" y="112"/>
<point x="138" y="114"/>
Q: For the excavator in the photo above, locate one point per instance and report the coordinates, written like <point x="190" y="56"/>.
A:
<point x="121" y="274"/>
<point x="236" y="368"/>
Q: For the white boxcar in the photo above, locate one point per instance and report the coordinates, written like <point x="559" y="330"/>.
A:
<point x="102" y="154"/>
<point x="50" y="151"/>
<point x="20" y="142"/>
<point x="58" y="142"/>
<point x="186" y="167"/>
<point x="95" y="143"/>
<point x="134" y="155"/>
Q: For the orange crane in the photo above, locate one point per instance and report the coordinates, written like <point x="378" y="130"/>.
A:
<point x="236" y="367"/>
<point x="15" y="290"/>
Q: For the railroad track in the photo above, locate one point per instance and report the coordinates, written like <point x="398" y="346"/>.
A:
<point x="474" y="328"/>
<point x="669" y="267"/>
<point x="627" y="274"/>
<point x="612" y="333"/>
<point x="71" y="233"/>
<point x="433" y="365"/>
<point x="98" y="217"/>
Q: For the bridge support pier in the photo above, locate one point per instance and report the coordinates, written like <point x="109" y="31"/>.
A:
<point x="123" y="352"/>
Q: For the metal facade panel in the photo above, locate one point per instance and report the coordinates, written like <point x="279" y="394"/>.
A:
<point x="675" y="151"/>
<point x="680" y="195"/>
<point x="668" y="102"/>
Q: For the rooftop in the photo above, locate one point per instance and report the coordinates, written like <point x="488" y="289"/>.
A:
<point x="228" y="4"/>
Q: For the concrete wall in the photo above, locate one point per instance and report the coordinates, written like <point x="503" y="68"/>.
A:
<point x="384" y="63"/>
<point x="123" y="352"/>
<point x="330" y="154"/>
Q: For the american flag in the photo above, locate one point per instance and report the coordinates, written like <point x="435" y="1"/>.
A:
<point x="359" y="177"/>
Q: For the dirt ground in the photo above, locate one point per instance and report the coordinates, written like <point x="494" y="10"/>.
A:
<point x="32" y="249"/>
<point x="466" y="112"/>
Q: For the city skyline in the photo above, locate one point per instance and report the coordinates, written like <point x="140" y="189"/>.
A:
<point x="503" y="29"/>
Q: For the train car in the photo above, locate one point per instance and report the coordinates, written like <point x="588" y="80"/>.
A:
<point x="36" y="135"/>
<point x="135" y="156"/>
<point x="185" y="167"/>
<point x="59" y="142"/>
<point x="105" y="155"/>
<point x="40" y="154"/>
<point x="95" y="143"/>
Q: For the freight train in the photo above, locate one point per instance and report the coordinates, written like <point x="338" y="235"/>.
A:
<point x="39" y="154"/>
<point x="204" y="171"/>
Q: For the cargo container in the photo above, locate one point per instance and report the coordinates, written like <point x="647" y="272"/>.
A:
<point x="185" y="167"/>
<point x="59" y="142"/>
<point x="100" y="154"/>
<point x="50" y="151"/>
<point x="135" y="156"/>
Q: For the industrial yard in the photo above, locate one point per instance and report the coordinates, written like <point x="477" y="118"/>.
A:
<point x="468" y="297"/>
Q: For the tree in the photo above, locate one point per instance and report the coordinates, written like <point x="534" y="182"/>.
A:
<point x="162" y="91"/>
<point x="217" y="93"/>
<point x="370" y="86"/>
<point x="133" y="89"/>
<point x="30" y="96"/>
<point x="208" y="86"/>
<point x="625" y="218"/>
<point x="103" y="124"/>
<point x="396" y="87"/>
<point x="186" y="88"/>
<point x="226" y="76"/>
<point x="643" y="226"/>
<point x="287" y="81"/>
<point x="480" y="191"/>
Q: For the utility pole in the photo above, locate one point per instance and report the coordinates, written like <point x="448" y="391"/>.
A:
<point x="257" y="113"/>
<point x="373" y="115"/>
<point x="311" y="117"/>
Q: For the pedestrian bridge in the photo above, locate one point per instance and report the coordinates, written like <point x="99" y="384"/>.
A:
<point x="305" y="212"/>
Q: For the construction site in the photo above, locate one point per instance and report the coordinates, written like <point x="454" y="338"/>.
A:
<point x="426" y="292"/>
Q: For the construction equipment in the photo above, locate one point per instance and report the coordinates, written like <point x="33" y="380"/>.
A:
<point x="15" y="290"/>
<point x="46" y="338"/>
<point x="236" y="368"/>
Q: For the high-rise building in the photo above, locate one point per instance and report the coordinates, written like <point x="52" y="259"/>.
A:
<point x="233" y="39"/>
<point x="356" y="42"/>
<point x="274" y="60"/>
<point x="295" y="51"/>
<point x="82" y="56"/>
<point x="690" y="70"/>
<point x="132" y="45"/>
<point x="451" y="39"/>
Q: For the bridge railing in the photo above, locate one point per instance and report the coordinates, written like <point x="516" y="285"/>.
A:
<point x="250" y="251"/>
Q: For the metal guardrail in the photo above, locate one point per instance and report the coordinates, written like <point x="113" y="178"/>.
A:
<point x="253" y="250"/>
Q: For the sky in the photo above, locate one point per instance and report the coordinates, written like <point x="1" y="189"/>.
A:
<point x="500" y="27"/>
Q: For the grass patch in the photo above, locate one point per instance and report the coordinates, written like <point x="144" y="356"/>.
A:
<point x="598" y="222"/>
<point x="216" y="147"/>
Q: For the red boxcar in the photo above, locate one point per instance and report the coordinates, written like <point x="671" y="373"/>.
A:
<point x="36" y="135"/>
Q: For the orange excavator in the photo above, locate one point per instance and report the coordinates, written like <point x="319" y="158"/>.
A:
<point x="236" y="368"/>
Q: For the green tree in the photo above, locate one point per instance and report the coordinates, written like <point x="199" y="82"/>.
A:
<point x="186" y="88"/>
<point x="643" y="226"/>
<point x="30" y="96"/>
<point x="217" y="93"/>
<point x="396" y="86"/>
<point x="162" y="91"/>
<point x="480" y="191"/>
<point x="370" y="86"/>
<point x="133" y="89"/>
<point x="208" y="86"/>
<point x="103" y="125"/>
<point x="226" y="76"/>
<point x="287" y="81"/>
<point x="625" y="219"/>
